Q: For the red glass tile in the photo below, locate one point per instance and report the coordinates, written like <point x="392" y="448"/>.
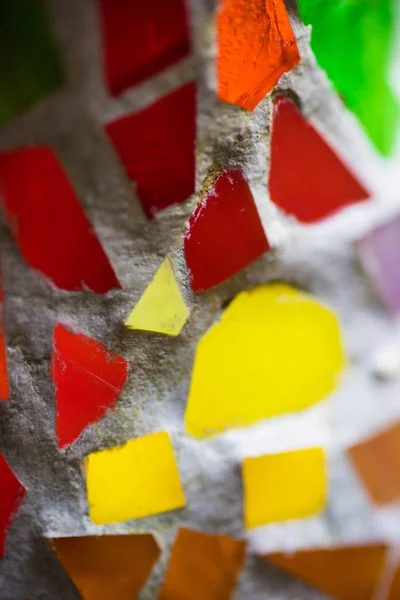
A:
<point x="224" y="234"/>
<point x="156" y="147"/>
<point x="202" y="567"/>
<point x="307" y="179"/>
<point x="48" y="223"/>
<point x="141" y="38"/>
<point x="88" y="380"/>
<point x="4" y="388"/>
<point x="11" y="494"/>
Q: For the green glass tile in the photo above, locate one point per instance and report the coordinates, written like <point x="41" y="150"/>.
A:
<point x="29" y="64"/>
<point x="353" y="41"/>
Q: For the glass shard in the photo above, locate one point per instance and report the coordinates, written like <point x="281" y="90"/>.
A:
<point x="289" y="485"/>
<point x="382" y="484"/>
<point x="379" y="252"/>
<point x="202" y="567"/>
<point x="4" y="387"/>
<point x="88" y="380"/>
<point x="107" y="566"/>
<point x="224" y="234"/>
<point x="29" y="65"/>
<point x="256" y="45"/>
<point x="241" y="363"/>
<point x="307" y="179"/>
<point x="11" y="495"/>
<point x="141" y="38"/>
<point x="159" y="139"/>
<point x="351" y="573"/>
<point x="133" y="481"/>
<point x="45" y="215"/>
<point x="161" y="308"/>
<point x="353" y="42"/>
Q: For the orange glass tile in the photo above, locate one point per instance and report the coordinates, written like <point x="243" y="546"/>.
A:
<point x="202" y="567"/>
<point x="377" y="461"/>
<point x="394" y="591"/>
<point x="350" y="573"/>
<point x="256" y="45"/>
<point x="107" y="567"/>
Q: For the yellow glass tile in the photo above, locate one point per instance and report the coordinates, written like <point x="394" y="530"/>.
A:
<point x="275" y="350"/>
<point x="138" y="479"/>
<point x="278" y="487"/>
<point x="161" y="308"/>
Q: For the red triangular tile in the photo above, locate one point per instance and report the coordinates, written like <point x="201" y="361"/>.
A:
<point x="49" y="224"/>
<point x="11" y="494"/>
<point x="156" y="146"/>
<point x="88" y="380"/>
<point x="141" y="38"/>
<point x="224" y="234"/>
<point x="307" y="179"/>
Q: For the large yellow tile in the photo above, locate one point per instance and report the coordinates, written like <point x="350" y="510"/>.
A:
<point x="132" y="481"/>
<point x="161" y="308"/>
<point x="275" y="350"/>
<point x="278" y="487"/>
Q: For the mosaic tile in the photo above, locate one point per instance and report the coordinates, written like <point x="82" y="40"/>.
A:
<point x="44" y="215"/>
<point x="88" y="380"/>
<point x="256" y="45"/>
<point x="379" y="252"/>
<point x="132" y="481"/>
<point x="224" y="234"/>
<point x="353" y="43"/>
<point x="307" y="178"/>
<point x="12" y="493"/>
<point x="161" y="308"/>
<point x="202" y="567"/>
<point x="107" y="567"/>
<point x="140" y="39"/>
<point x="289" y="485"/>
<point x="377" y="461"/>
<point x="4" y="387"/>
<point x="160" y="139"/>
<point x="350" y="573"/>
<point x="241" y="363"/>
<point x="29" y="63"/>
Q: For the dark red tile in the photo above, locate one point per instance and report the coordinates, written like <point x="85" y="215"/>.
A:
<point x="307" y="179"/>
<point x="4" y="387"/>
<point x="48" y="222"/>
<point x="157" y="148"/>
<point x="88" y="380"/>
<point x="11" y="494"/>
<point x="224" y="234"/>
<point x="141" y="38"/>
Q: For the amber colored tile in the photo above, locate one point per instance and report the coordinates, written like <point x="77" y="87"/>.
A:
<point x="256" y="45"/>
<point x="107" y="567"/>
<point x="377" y="461"/>
<point x="202" y="567"/>
<point x="394" y="591"/>
<point x="350" y="573"/>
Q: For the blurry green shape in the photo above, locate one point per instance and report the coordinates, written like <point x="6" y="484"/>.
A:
<point x="29" y="65"/>
<point x="353" y="41"/>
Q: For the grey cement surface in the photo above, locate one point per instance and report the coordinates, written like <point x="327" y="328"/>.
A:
<point x="320" y="259"/>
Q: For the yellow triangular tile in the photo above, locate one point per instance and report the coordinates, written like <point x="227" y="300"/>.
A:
<point x="161" y="308"/>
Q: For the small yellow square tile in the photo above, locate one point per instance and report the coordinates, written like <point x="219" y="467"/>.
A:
<point x="138" y="479"/>
<point x="278" y="487"/>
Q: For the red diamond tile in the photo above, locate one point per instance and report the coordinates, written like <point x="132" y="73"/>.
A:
<point x="307" y="179"/>
<point x="141" y="38"/>
<point x="156" y="147"/>
<point x="48" y="222"/>
<point x="11" y="494"/>
<point x="224" y="234"/>
<point x="88" y="380"/>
